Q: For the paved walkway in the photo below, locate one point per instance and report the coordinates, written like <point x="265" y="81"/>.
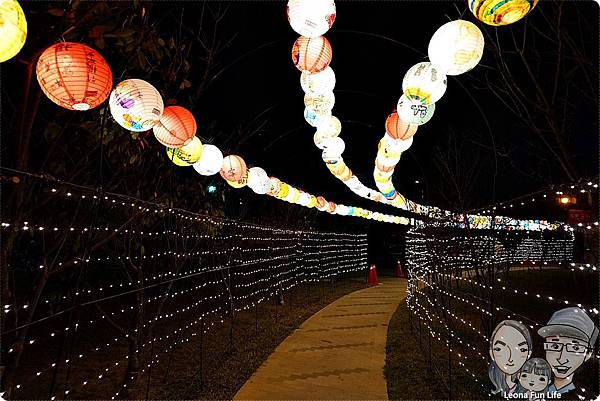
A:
<point x="338" y="353"/>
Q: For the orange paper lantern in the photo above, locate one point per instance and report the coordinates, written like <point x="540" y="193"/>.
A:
<point x="321" y="203"/>
<point x="311" y="54"/>
<point x="176" y="127"/>
<point x="74" y="76"/>
<point x="398" y="129"/>
<point x="233" y="168"/>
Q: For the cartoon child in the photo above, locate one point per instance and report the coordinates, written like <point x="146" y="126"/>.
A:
<point x="510" y="347"/>
<point x="569" y="339"/>
<point x="534" y="377"/>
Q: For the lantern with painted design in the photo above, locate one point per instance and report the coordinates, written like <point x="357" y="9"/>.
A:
<point x="413" y="112"/>
<point x="318" y="83"/>
<point x="74" y="76"/>
<point x="311" y="18"/>
<point x="186" y="155"/>
<point x="422" y="82"/>
<point x="456" y="47"/>
<point x="311" y="54"/>
<point x="136" y="105"/>
<point x="501" y="12"/>
<point x="233" y="168"/>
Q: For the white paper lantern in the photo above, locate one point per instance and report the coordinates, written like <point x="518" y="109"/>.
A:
<point x="258" y="180"/>
<point x="210" y="162"/>
<point x="314" y="118"/>
<point x="400" y="145"/>
<point x="136" y="105"/>
<point x="319" y="140"/>
<point x="320" y="103"/>
<point x="333" y="147"/>
<point x="330" y="127"/>
<point x="304" y="199"/>
<point x="319" y="83"/>
<point x="424" y="83"/>
<point x="311" y="18"/>
<point x="456" y="47"/>
<point x="413" y="112"/>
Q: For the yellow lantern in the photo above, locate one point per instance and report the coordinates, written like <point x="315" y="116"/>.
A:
<point x="13" y="29"/>
<point x="501" y="12"/>
<point x="456" y="47"/>
<point x="242" y="182"/>
<point x="187" y="154"/>
<point x="284" y="190"/>
<point x="312" y="202"/>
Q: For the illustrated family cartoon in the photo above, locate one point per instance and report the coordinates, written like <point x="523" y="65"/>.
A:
<point x="569" y="339"/>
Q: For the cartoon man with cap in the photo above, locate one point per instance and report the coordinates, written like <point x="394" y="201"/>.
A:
<point x="569" y="339"/>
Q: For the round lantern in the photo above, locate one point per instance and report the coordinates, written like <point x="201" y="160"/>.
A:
<point x="275" y="186"/>
<point x="233" y="168"/>
<point x="284" y="190"/>
<point x="242" y="182"/>
<point x="424" y="83"/>
<point x="413" y="112"/>
<point x="398" y="129"/>
<point x="311" y="18"/>
<point x="396" y="144"/>
<point x="176" y="127"/>
<point x="456" y="47"/>
<point x="320" y="103"/>
<point x="501" y="12"/>
<point x="319" y="83"/>
<point x="312" y="202"/>
<point x="304" y="199"/>
<point x="13" y="29"/>
<point x="210" y="162"/>
<point x="187" y="154"/>
<point x="311" y="54"/>
<point x="315" y="119"/>
<point x="136" y="105"/>
<point x="258" y="180"/>
<point x="330" y="128"/>
<point x="321" y="203"/>
<point x="333" y="148"/>
<point x="74" y="76"/>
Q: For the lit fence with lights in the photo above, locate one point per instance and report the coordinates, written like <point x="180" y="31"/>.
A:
<point x="462" y="283"/>
<point x="104" y="287"/>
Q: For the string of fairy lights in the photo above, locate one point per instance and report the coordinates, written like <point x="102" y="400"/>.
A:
<point x="438" y="260"/>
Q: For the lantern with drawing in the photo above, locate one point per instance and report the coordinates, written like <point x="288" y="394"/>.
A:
<point x="311" y="18"/>
<point x="311" y="54"/>
<point x="501" y="12"/>
<point x="74" y="76"/>
<point x="136" y="105"/>
<point x="456" y="47"/>
<point x="318" y="83"/>
<point x="233" y="168"/>
<point x="422" y="82"/>
<point x="186" y="155"/>
<point x="413" y="112"/>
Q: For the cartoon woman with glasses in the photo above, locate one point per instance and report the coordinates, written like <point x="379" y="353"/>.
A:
<point x="510" y="347"/>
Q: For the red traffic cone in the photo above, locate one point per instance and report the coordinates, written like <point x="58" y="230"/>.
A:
<point x="373" y="276"/>
<point x="399" y="272"/>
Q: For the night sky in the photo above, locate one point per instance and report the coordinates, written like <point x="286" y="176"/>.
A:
<point x="253" y="104"/>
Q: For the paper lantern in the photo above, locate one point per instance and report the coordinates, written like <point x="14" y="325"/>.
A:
<point x="424" y="83"/>
<point x="413" y="112"/>
<point x="176" y="127"/>
<point x="187" y="154"/>
<point x="275" y="186"/>
<point x="396" y="144"/>
<point x="233" y="168"/>
<point x="331" y="207"/>
<point x="13" y="29"/>
<point x="312" y="202"/>
<point x="456" y="47"/>
<point x="258" y="180"/>
<point x="292" y="196"/>
<point x="320" y="103"/>
<point x="398" y="129"/>
<point x="321" y="203"/>
<point x="330" y="127"/>
<point x="311" y="54"/>
<point x="315" y="119"/>
<point x="74" y="76"/>
<point x="311" y="18"/>
<point x="284" y="190"/>
<point x="501" y="12"/>
<point x="304" y="199"/>
<point x="318" y="83"/>
<point x="210" y="162"/>
<point x="136" y="105"/>
<point x="333" y="148"/>
<point x="242" y="182"/>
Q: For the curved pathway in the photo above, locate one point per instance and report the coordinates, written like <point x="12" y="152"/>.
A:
<point x="338" y="353"/>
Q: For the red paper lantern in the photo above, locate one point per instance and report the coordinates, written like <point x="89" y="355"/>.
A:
<point x="311" y="54"/>
<point x="176" y="127"/>
<point x="398" y="129"/>
<point x="233" y="168"/>
<point x="74" y="76"/>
